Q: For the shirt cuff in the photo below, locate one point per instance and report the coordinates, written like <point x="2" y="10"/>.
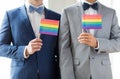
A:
<point x="97" y="46"/>
<point x="25" y="51"/>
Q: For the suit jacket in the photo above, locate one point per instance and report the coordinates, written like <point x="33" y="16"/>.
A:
<point x="80" y="61"/>
<point x="16" y="29"/>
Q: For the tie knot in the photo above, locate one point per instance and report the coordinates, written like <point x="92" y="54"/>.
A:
<point x="39" y="9"/>
<point x="93" y="6"/>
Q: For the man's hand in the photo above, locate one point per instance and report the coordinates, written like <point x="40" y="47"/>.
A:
<point x="89" y="39"/>
<point x="33" y="46"/>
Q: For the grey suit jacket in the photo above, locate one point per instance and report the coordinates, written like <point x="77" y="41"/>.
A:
<point x="79" y="61"/>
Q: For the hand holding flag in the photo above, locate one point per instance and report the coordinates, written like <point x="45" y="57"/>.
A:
<point x="90" y="22"/>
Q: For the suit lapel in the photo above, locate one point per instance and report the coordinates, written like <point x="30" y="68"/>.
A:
<point x="46" y="13"/>
<point x="24" y="17"/>
<point x="79" y="13"/>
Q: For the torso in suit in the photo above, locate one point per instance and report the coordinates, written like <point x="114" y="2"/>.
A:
<point x="16" y="29"/>
<point x="80" y="61"/>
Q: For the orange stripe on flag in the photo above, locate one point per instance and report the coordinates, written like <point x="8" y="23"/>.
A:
<point x="51" y="22"/>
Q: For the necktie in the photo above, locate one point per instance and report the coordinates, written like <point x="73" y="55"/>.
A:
<point x="39" y="9"/>
<point x="87" y="6"/>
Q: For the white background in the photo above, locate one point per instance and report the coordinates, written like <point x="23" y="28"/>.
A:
<point x="5" y="62"/>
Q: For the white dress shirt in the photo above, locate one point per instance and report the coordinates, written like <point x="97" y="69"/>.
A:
<point x="35" y="19"/>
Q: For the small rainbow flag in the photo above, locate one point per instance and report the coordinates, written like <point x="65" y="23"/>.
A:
<point x="49" y="27"/>
<point x="92" y="21"/>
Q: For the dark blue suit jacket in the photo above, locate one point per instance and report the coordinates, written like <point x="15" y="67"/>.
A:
<point x="16" y="29"/>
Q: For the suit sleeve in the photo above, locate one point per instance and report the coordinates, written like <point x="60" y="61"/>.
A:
<point x="7" y="49"/>
<point x="112" y="44"/>
<point x="65" y="55"/>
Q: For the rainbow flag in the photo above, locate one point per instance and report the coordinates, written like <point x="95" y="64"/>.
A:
<point x="92" y="21"/>
<point x="49" y="27"/>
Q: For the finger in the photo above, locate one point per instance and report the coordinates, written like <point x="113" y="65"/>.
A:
<point x="35" y="44"/>
<point x="34" y="47"/>
<point x="86" y="40"/>
<point x="83" y="41"/>
<point x="38" y="44"/>
<point x="84" y="35"/>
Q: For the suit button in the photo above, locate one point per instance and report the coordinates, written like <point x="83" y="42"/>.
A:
<point x="55" y="56"/>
